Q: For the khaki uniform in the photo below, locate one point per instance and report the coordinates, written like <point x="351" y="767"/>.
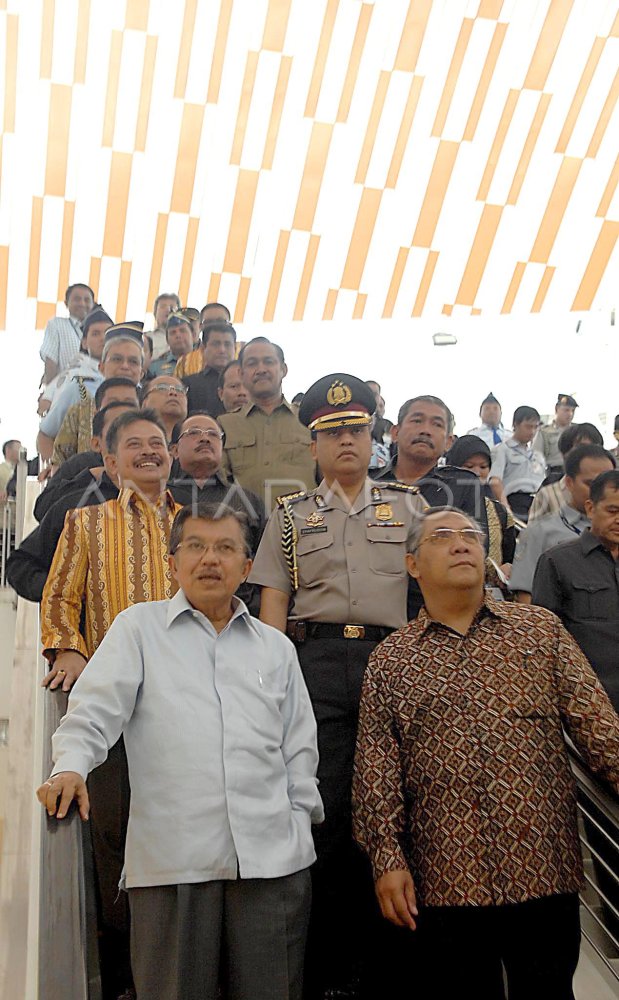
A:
<point x="546" y="441"/>
<point x="268" y="454"/>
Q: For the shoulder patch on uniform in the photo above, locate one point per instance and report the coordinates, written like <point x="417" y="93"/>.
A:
<point x="395" y="484"/>
<point x="291" y="498"/>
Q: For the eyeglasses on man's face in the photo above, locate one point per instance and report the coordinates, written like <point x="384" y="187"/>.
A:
<point x="223" y="549"/>
<point x="176" y="390"/>
<point x="445" y="536"/>
<point x="194" y="433"/>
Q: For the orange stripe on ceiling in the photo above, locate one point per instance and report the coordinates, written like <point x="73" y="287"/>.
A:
<point x="544" y="285"/>
<point x="605" y="116"/>
<point x="514" y="285"/>
<point x="157" y="258"/>
<point x="322" y="53"/>
<point x="478" y="257"/>
<point x="594" y="272"/>
<point x="10" y="72"/>
<point x="306" y="277"/>
<point x="547" y="44"/>
<point x="184" y="52"/>
<point x="493" y="157"/>
<point x="484" y="81"/>
<point x="555" y="209"/>
<point x="424" y="285"/>
<point x="36" y="227"/>
<point x="396" y="281"/>
<point x="66" y="247"/>
<point x="527" y="150"/>
<point x="241" y="300"/>
<point x="378" y="105"/>
<point x="330" y="304"/>
<point x="309" y="189"/>
<point x="413" y="31"/>
<point x="117" y="203"/>
<point x="47" y="39"/>
<point x="475" y="312"/>
<point x="581" y="92"/>
<point x="213" y="288"/>
<point x="356" y="53"/>
<point x="111" y="99"/>
<point x="275" y="25"/>
<point x="249" y="80"/>
<point x="406" y="125"/>
<point x="123" y="290"/>
<point x="452" y="76"/>
<point x="361" y="237"/>
<point x="94" y="276"/>
<point x="45" y="312"/>
<point x="4" y="284"/>
<point x="57" y="140"/>
<point x="187" y="156"/>
<point x="447" y="310"/>
<point x="609" y="190"/>
<point x="276" y="275"/>
<point x="490" y="9"/>
<point x="359" y="309"/>
<point x="146" y="92"/>
<point x="190" y="248"/>
<point x="136" y="16"/>
<point x="219" y="51"/>
<point x="81" y="44"/>
<point x="277" y="109"/>
<point x="240" y="221"/>
<point x="614" y="31"/>
<point x="438" y="183"/>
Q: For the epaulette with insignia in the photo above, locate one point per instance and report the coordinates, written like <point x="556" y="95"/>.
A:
<point x="395" y="484"/>
<point x="291" y="498"/>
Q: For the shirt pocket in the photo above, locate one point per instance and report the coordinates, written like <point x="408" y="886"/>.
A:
<point x="315" y="558"/>
<point x="387" y="549"/>
<point x="241" y="450"/>
<point x="293" y="445"/>
<point x="593" y="600"/>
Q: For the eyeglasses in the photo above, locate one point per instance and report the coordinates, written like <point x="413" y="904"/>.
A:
<point x="119" y="359"/>
<point x="444" y="536"/>
<point x="193" y="433"/>
<point x="223" y="549"/>
<point x="176" y="390"/>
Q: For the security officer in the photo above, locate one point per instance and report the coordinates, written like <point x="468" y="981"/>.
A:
<point x="546" y="440"/>
<point x="332" y="568"/>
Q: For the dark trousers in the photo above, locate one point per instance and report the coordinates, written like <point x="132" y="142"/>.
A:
<point x="349" y="942"/>
<point x="183" y="936"/>
<point x="462" y="951"/>
<point x="108" y="789"/>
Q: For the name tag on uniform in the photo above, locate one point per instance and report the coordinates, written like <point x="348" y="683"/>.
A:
<point x="385" y="524"/>
<point x="315" y="530"/>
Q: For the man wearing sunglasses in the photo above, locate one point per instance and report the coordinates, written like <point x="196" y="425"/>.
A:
<point x="463" y="795"/>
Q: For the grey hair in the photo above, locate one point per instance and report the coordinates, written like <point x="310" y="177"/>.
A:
<point x="415" y="532"/>
<point x="118" y="339"/>
<point x="208" y="512"/>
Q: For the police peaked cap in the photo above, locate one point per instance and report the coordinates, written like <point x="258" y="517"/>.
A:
<point x="337" y="400"/>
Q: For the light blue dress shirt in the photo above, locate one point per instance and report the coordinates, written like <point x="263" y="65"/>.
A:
<point x="220" y="738"/>
<point x="521" y="469"/>
<point x="541" y="534"/>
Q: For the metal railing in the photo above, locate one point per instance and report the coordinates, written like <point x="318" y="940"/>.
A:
<point x="7" y="540"/>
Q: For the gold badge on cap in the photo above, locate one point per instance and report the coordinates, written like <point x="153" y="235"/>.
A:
<point x="315" y="520"/>
<point x="339" y="394"/>
<point x="383" y="512"/>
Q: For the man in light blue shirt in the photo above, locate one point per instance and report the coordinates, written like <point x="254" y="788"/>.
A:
<point x="491" y="429"/>
<point x="221" y="744"/>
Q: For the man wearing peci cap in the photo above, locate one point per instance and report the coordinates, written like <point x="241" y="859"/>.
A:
<point x="332" y="567"/>
<point x="491" y="429"/>
<point x="547" y="438"/>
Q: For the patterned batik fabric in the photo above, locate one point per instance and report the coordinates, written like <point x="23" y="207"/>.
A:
<point x="75" y="434"/>
<point x="462" y="774"/>
<point x="109" y="556"/>
<point x="190" y="364"/>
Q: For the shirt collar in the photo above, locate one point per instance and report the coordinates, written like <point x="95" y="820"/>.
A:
<point x="285" y="405"/>
<point x="489" y="606"/>
<point x="179" y="605"/>
<point x="217" y="478"/>
<point x="129" y="497"/>
<point x="589" y="542"/>
<point x="573" y="516"/>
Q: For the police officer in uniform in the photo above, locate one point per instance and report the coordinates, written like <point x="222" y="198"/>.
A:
<point x="332" y="568"/>
<point x="546" y="440"/>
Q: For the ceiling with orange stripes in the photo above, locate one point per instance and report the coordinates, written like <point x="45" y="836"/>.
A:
<point x="309" y="159"/>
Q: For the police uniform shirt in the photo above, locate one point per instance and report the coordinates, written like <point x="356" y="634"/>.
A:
<point x="519" y="467"/>
<point x="488" y="434"/>
<point x="546" y="441"/>
<point x="262" y="448"/>
<point x="543" y="534"/>
<point x="351" y="561"/>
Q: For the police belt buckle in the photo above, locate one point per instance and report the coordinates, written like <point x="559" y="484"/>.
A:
<point x="354" y="632"/>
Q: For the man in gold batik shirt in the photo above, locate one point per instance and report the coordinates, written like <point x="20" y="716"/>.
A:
<point x="109" y="557"/>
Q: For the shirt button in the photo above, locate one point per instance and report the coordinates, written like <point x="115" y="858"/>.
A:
<point x="355" y="603"/>
<point x="349" y="543"/>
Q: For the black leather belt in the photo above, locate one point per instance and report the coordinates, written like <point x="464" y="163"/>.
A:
<point x="302" y="631"/>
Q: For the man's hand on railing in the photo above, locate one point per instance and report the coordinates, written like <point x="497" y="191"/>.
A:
<point x="66" y="786"/>
<point x="65" y="670"/>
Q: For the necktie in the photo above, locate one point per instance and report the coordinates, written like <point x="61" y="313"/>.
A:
<point x="496" y="437"/>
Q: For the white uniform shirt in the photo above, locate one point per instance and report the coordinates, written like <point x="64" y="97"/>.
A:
<point x="220" y="738"/>
<point x="487" y="433"/>
<point x="521" y="469"/>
